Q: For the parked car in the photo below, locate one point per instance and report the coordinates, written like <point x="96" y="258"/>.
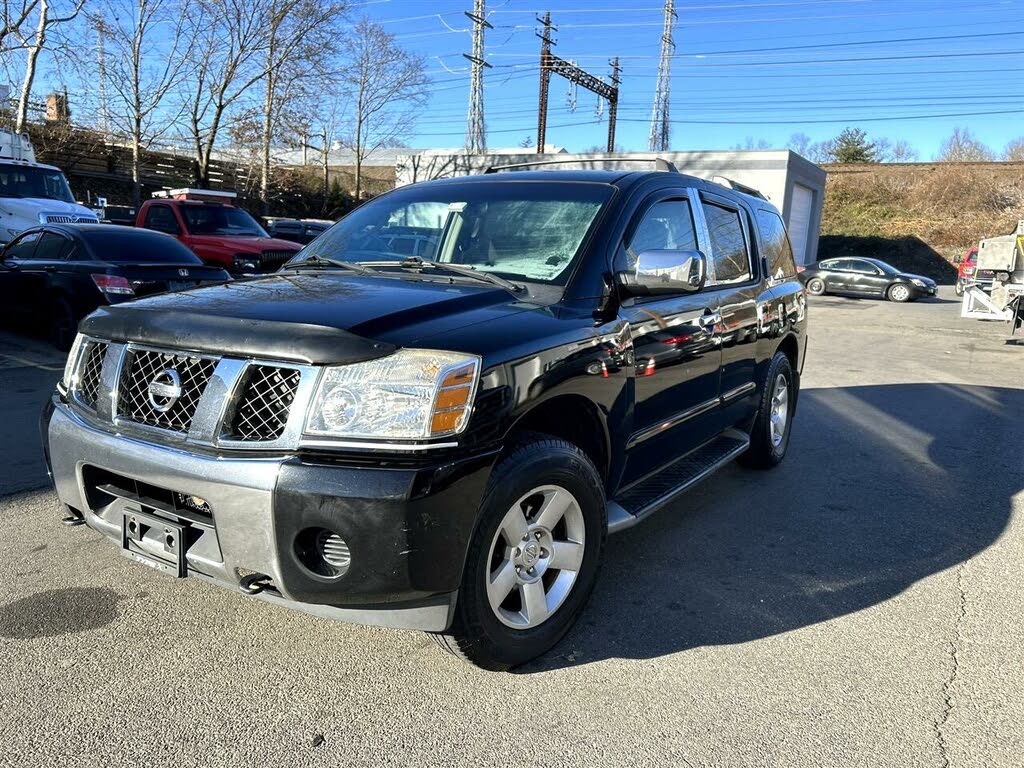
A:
<point x="442" y="443"/>
<point x="865" y="277"/>
<point x="968" y="274"/>
<point x="58" y="273"/>
<point x="218" y="232"/>
<point x="301" y="231"/>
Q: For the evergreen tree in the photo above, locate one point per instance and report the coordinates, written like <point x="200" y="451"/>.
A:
<point x="852" y="146"/>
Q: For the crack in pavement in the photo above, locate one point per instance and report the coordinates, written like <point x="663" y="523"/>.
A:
<point x="954" y="642"/>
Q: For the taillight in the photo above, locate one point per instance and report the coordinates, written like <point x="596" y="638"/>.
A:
<point x="113" y="284"/>
<point x="800" y="269"/>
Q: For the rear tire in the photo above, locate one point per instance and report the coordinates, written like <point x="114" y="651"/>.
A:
<point x="548" y="490"/>
<point x="769" y="438"/>
<point x="816" y="286"/>
<point x="63" y="325"/>
<point x="898" y="293"/>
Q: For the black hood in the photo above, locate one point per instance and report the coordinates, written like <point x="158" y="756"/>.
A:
<point x="316" y="318"/>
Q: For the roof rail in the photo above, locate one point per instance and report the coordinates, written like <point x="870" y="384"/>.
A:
<point x="731" y="184"/>
<point x="660" y="164"/>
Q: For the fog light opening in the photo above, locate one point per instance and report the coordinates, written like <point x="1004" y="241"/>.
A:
<point x="324" y="552"/>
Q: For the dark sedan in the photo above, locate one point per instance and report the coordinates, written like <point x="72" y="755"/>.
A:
<point x="52" y="276"/>
<point x="865" y="277"/>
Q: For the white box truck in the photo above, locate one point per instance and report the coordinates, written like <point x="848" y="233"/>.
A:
<point x="32" y="193"/>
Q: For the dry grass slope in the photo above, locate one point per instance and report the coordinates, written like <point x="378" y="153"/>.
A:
<point x="919" y="216"/>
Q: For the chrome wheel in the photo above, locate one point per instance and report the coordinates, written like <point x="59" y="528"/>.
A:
<point x="780" y="410"/>
<point x="535" y="557"/>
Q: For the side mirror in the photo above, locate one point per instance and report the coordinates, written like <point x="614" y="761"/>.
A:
<point x="958" y="259"/>
<point x="664" y="272"/>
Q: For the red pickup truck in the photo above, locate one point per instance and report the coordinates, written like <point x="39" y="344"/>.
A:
<point x="217" y="231"/>
<point x="968" y="274"/>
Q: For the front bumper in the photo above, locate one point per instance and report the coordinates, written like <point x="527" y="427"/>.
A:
<point x="407" y="526"/>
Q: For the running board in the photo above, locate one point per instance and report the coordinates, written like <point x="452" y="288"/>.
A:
<point x="655" y="491"/>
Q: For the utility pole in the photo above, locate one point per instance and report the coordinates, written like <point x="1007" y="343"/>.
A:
<point x="613" y="101"/>
<point x="101" y="65"/>
<point x="545" y="79"/>
<point x="551" y="64"/>
<point x="660" y="127"/>
<point x="476" y="129"/>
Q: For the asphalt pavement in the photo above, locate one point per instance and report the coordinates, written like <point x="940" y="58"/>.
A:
<point x="862" y="604"/>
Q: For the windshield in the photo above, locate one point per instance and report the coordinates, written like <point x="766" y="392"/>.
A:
<point x="220" y="220"/>
<point x="521" y="230"/>
<point x="26" y="181"/>
<point x="888" y="269"/>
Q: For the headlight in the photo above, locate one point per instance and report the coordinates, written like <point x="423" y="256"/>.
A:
<point x="69" y="366"/>
<point x="244" y="262"/>
<point x="918" y="283"/>
<point x="411" y="394"/>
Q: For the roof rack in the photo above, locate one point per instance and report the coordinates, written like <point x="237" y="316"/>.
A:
<point x="731" y="184"/>
<point x="660" y="164"/>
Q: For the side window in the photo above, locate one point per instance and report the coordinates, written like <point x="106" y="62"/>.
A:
<point x="777" y="251"/>
<point x="22" y="248"/>
<point x="161" y="218"/>
<point x="728" y="245"/>
<point x="52" y="247"/>
<point x="667" y="225"/>
<point x="863" y="267"/>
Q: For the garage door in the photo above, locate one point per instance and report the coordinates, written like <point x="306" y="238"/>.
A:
<point x="800" y="221"/>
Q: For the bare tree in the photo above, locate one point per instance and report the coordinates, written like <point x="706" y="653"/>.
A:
<point x="1014" y="151"/>
<point x="231" y="35"/>
<point x="34" y="43"/>
<point x="300" y="36"/>
<point x="138" y="32"/>
<point x="387" y="83"/>
<point x="962" y="147"/>
<point x="902" y="152"/>
<point x="13" y="16"/>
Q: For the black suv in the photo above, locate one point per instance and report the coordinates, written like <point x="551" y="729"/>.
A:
<point x="441" y="441"/>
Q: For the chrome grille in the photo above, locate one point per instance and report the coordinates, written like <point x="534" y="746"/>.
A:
<point x="266" y="397"/>
<point x="68" y="218"/>
<point x="145" y="366"/>
<point x="89" y="377"/>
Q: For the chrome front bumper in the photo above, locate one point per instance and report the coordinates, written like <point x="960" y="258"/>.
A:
<point x="241" y="493"/>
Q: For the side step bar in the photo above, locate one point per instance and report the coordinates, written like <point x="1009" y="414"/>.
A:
<point x="653" y="492"/>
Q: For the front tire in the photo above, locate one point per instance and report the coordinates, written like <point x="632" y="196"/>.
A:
<point x="769" y="438"/>
<point x="534" y="557"/>
<point x="899" y="293"/>
<point x="958" y="288"/>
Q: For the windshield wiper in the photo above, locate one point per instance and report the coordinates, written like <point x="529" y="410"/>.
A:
<point x="323" y="261"/>
<point x="415" y="262"/>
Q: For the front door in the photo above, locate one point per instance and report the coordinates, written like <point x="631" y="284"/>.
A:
<point x="865" y="278"/>
<point x="675" y="344"/>
<point x="15" y="276"/>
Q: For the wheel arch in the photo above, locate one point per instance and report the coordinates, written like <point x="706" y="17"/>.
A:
<point x="570" y="417"/>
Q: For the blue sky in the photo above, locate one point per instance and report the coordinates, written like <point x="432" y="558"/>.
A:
<point x="762" y="69"/>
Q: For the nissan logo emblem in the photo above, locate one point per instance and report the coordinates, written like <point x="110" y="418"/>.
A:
<point x="183" y="272"/>
<point x="164" y="390"/>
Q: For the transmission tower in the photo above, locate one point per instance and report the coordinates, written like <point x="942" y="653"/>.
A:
<point x="476" y="130"/>
<point x="102" y="29"/>
<point x="551" y="64"/>
<point x="660" y="127"/>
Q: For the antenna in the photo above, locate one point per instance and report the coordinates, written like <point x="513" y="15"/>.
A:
<point x="660" y="127"/>
<point x="476" y="129"/>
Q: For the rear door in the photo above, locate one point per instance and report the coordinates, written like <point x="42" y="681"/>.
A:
<point x="676" y="350"/>
<point x="735" y="277"/>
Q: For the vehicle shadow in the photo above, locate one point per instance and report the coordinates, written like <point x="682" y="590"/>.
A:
<point x="872" y="498"/>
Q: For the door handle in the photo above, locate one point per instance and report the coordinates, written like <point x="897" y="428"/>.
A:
<point x="709" y="319"/>
<point x="49" y="268"/>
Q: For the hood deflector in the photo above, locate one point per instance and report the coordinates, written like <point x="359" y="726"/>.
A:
<point x="233" y="337"/>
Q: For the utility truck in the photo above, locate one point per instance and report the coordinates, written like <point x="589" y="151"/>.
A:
<point x="1003" y="258"/>
<point x="32" y="193"/>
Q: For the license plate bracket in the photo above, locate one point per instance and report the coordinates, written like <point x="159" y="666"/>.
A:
<point x="155" y="542"/>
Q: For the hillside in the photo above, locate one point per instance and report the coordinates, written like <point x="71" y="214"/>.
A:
<point x="919" y="216"/>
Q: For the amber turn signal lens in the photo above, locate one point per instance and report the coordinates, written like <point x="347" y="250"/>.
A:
<point x="452" y="398"/>
<point x="447" y="421"/>
<point x="459" y="376"/>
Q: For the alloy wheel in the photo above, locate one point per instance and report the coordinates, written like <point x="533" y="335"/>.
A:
<point x="535" y="557"/>
<point x="780" y="410"/>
